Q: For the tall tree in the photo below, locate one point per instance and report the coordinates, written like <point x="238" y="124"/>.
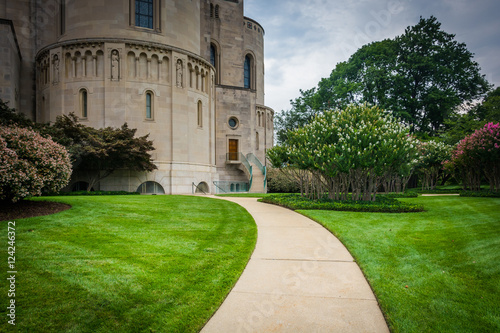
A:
<point x="421" y="76"/>
<point x="434" y="75"/>
<point x="99" y="152"/>
<point x="462" y="124"/>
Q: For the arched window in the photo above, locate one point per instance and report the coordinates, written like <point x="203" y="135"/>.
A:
<point x="211" y="10"/>
<point x="257" y="143"/>
<point x="217" y="11"/>
<point x="214" y="60"/>
<point x="80" y="186"/>
<point x="248" y="72"/>
<point x="200" y="114"/>
<point x="202" y="188"/>
<point x="149" y="105"/>
<point x="150" y="188"/>
<point x="83" y="103"/>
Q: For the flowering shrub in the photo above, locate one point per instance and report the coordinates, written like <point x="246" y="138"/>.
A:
<point x="430" y="162"/>
<point x="357" y="148"/>
<point x="30" y="164"/>
<point x="476" y="155"/>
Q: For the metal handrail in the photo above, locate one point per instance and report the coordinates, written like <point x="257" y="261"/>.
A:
<point x="252" y="158"/>
<point x="232" y="186"/>
<point x="219" y="187"/>
<point x="194" y="185"/>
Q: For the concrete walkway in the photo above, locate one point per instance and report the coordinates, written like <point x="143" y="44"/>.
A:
<point x="300" y="278"/>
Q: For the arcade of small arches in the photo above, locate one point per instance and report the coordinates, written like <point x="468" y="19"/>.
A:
<point x="136" y="63"/>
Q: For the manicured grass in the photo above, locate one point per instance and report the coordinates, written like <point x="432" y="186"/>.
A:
<point x="127" y="263"/>
<point x="436" y="271"/>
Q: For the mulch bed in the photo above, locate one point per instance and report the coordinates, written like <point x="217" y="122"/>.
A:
<point x="22" y="209"/>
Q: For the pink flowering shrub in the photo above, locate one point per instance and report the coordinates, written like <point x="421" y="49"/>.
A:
<point x="476" y="155"/>
<point x="30" y="164"/>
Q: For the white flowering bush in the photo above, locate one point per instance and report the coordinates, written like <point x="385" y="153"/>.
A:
<point x="432" y="154"/>
<point x="30" y="164"/>
<point x="355" y="149"/>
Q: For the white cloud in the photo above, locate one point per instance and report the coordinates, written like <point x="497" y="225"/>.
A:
<point x="305" y="39"/>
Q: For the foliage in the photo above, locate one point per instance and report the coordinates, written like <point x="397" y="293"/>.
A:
<point x="383" y="204"/>
<point x="99" y="152"/>
<point x="478" y="155"/>
<point x="480" y="194"/>
<point x="304" y="109"/>
<point x="95" y="152"/>
<point x="432" y="154"/>
<point x="356" y="148"/>
<point x="281" y="181"/>
<point x="9" y="117"/>
<point x="465" y="123"/>
<point x="30" y="164"/>
<point x="422" y="76"/>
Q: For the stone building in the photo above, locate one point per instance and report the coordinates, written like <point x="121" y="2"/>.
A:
<point x="188" y="72"/>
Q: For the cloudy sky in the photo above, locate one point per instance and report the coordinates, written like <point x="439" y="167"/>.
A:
<point x="305" y="39"/>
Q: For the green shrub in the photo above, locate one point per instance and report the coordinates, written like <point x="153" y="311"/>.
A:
<point x="394" y="195"/>
<point x="484" y="194"/>
<point x="279" y="182"/>
<point x="383" y="204"/>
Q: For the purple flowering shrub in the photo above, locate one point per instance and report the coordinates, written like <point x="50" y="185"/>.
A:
<point x="30" y="164"/>
<point x="476" y="155"/>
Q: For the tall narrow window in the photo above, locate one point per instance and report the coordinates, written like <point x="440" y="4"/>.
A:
<point x="212" y="54"/>
<point x="144" y="13"/>
<point x="83" y="103"/>
<point x="62" y="10"/>
<point x="200" y="114"/>
<point x="149" y="110"/>
<point x="257" y="143"/>
<point x="211" y="10"/>
<point x="217" y="11"/>
<point x="214" y="60"/>
<point x="247" y="70"/>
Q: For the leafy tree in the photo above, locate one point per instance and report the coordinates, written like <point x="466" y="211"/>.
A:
<point x="356" y="148"/>
<point x="96" y="153"/>
<point x="465" y="123"/>
<point x="30" y="164"/>
<point x="432" y="154"/>
<point x="478" y="155"/>
<point x="304" y="109"/>
<point x="422" y="76"/>
<point x="99" y="152"/>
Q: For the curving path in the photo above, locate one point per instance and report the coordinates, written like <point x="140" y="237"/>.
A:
<point x="300" y="278"/>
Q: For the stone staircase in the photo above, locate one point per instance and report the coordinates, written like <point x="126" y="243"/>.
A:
<point x="257" y="180"/>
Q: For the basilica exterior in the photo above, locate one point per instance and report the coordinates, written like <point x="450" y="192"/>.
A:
<point x="188" y="72"/>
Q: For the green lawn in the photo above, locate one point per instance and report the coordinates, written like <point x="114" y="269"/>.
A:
<point x="126" y="264"/>
<point x="437" y="271"/>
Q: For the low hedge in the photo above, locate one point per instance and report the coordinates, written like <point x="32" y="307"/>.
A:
<point x="484" y="194"/>
<point x="435" y="191"/>
<point x="92" y="193"/>
<point x="383" y="204"/>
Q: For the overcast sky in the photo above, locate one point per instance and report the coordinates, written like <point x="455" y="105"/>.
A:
<point x="305" y="39"/>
